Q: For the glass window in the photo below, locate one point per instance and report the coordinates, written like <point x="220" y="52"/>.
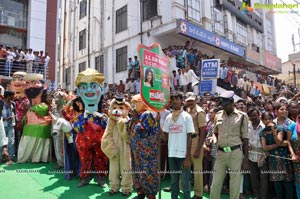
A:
<point x="219" y="22"/>
<point x="149" y="9"/>
<point x="241" y="33"/>
<point x="99" y="63"/>
<point x="83" y="7"/>
<point x="259" y="39"/>
<point x="194" y="10"/>
<point x="81" y="67"/>
<point x="82" y="39"/>
<point x="121" y="59"/>
<point x="121" y="19"/>
<point x="269" y="46"/>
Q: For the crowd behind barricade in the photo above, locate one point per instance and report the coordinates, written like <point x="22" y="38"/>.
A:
<point x="14" y="59"/>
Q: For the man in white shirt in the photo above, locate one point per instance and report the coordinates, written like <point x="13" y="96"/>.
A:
<point x="193" y="80"/>
<point x="29" y="58"/>
<point x="10" y="56"/>
<point x="178" y="129"/>
<point x="257" y="164"/>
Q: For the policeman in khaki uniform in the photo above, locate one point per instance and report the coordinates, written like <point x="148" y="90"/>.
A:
<point x="231" y="136"/>
<point x="199" y="120"/>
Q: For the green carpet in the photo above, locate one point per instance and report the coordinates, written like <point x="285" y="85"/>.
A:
<point x="35" y="181"/>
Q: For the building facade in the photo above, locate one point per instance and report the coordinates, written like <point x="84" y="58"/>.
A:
<point x="30" y="24"/>
<point x="103" y="34"/>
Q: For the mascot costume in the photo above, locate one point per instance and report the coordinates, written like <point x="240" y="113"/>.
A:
<point x="35" y="144"/>
<point x="115" y="145"/>
<point x="144" y="130"/>
<point x="59" y="127"/>
<point x="22" y="103"/>
<point x="90" y="127"/>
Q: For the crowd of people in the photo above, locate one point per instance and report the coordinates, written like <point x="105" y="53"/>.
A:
<point x="206" y="137"/>
<point x="212" y="143"/>
<point x="14" y="59"/>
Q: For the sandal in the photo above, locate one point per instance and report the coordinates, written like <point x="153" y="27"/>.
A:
<point x="112" y="192"/>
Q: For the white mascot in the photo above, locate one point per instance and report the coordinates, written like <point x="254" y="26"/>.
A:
<point x="115" y="145"/>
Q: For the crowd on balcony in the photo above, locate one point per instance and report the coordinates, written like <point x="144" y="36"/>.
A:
<point x="14" y="59"/>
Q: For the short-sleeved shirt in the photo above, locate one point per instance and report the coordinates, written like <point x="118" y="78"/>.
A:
<point x="178" y="132"/>
<point x="230" y="128"/>
<point x="199" y="118"/>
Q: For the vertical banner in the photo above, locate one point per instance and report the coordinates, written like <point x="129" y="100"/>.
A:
<point x="210" y="69"/>
<point x="155" y="76"/>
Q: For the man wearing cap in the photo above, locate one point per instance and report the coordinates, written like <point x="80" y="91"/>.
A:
<point x="199" y="121"/>
<point x="231" y="135"/>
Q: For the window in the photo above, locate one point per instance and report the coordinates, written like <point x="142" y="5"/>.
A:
<point x="219" y="22"/>
<point x="194" y="10"/>
<point x="121" y="21"/>
<point x="241" y="33"/>
<point x="83" y="6"/>
<point x="68" y="76"/>
<point x="81" y="67"/>
<point x="259" y="39"/>
<point x="149" y="9"/>
<point x="82" y="39"/>
<point x="99" y="63"/>
<point x="121" y="59"/>
<point x="269" y="46"/>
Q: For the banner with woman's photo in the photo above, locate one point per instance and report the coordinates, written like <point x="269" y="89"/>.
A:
<point x="154" y="76"/>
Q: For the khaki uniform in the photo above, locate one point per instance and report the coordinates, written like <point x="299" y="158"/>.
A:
<point x="230" y="130"/>
<point x="199" y="120"/>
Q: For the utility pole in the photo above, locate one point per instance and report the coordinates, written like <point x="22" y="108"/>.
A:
<point x="294" y="73"/>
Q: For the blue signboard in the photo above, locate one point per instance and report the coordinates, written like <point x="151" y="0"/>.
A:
<point x="206" y="86"/>
<point x="210" y="68"/>
<point x="196" y="32"/>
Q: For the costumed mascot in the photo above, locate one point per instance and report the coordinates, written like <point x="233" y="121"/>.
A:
<point x="90" y="127"/>
<point x="115" y="145"/>
<point x="143" y="130"/>
<point x="35" y="144"/>
<point x="22" y="103"/>
<point x="59" y="127"/>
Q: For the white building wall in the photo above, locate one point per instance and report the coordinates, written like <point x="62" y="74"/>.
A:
<point x="36" y="37"/>
<point x="104" y="40"/>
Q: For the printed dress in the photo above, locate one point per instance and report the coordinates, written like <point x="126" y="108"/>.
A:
<point x="144" y="154"/>
<point x="280" y="169"/>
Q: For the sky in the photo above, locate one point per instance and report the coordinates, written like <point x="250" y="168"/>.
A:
<point x="285" y="26"/>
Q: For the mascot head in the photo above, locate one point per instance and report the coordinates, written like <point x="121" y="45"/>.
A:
<point x="138" y="104"/>
<point x="35" y="87"/>
<point x="118" y="108"/>
<point x="89" y="89"/>
<point x="18" y="83"/>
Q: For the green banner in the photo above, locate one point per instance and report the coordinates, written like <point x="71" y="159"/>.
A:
<point x="155" y="76"/>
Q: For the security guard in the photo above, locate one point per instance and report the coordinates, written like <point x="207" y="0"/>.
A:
<point x="199" y="120"/>
<point x="231" y="135"/>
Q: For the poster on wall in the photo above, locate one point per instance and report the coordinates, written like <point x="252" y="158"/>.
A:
<point x="154" y="76"/>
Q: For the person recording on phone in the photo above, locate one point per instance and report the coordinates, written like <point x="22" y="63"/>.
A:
<point x="148" y="78"/>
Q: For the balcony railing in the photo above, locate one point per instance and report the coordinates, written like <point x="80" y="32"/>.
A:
<point x="7" y="68"/>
